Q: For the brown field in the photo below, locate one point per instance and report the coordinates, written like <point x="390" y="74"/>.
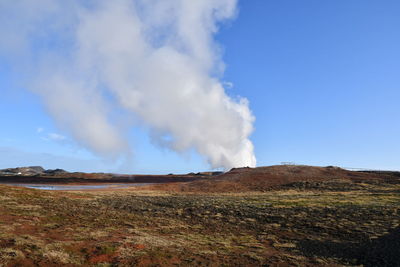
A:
<point x="270" y="216"/>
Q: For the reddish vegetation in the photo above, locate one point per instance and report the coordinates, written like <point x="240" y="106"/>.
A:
<point x="310" y="216"/>
<point x="102" y="258"/>
<point x="266" y="178"/>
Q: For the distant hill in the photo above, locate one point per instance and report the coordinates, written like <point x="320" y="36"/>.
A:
<point x="23" y="171"/>
<point x="37" y="174"/>
<point x="29" y="171"/>
<point x="266" y="178"/>
<point x="236" y="180"/>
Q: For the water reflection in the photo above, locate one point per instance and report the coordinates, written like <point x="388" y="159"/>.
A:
<point x="78" y="187"/>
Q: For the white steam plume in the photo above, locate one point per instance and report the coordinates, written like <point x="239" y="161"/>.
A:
<point x="155" y="59"/>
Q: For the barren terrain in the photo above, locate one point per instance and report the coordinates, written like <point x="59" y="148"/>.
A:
<point x="270" y="216"/>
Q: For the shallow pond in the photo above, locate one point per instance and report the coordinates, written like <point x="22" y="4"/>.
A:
<point x="77" y="187"/>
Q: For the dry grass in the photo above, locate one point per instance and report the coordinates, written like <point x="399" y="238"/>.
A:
<point x="300" y="224"/>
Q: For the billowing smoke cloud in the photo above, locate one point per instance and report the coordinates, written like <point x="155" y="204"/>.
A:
<point x="154" y="59"/>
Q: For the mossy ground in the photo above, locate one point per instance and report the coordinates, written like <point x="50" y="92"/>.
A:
<point x="323" y="224"/>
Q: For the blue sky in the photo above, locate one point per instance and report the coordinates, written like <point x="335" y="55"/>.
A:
<point x="322" y="78"/>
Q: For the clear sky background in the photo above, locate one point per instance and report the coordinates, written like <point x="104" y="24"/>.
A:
<point x="322" y="78"/>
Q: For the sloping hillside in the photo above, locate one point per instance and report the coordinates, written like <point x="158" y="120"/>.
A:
<point x="266" y="178"/>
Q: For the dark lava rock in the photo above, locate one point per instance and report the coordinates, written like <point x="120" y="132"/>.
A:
<point x="32" y="170"/>
<point x="384" y="251"/>
<point x="55" y="171"/>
